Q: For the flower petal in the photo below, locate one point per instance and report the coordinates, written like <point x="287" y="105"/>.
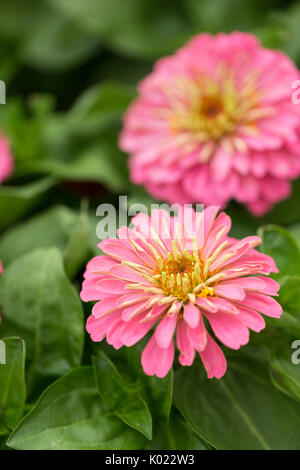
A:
<point x="229" y="330"/>
<point x="157" y="361"/>
<point x="213" y="359"/>
<point x="164" y="332"/>
<point x="191" y="315"/>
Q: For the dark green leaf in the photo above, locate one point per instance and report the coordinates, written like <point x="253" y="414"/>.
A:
<point x="176" y="435"/>
<point x="122" y="399"/>
<point x="138" y="29"/>
<point x="41" y="305"/>
<point x="55" y="43"/>
<point x="289" y="294"/>
<point x="286" y="375"/>
<point x="16" y="201"/>
<point x="99" y="106"/>
<point x="78" y="245"/>
<point x="99" y="162"/>
<point x="281" y="245"/>
<point x="71" y="415"/>
<point x="216" y="16"/>
<point x="158" y="393"/>
<point x="243" y="410"/>
<point x="58" y="226"/>
<point x="288" y="322"/>
<point x="287" y="211"/>
<point x="12" y="383"/>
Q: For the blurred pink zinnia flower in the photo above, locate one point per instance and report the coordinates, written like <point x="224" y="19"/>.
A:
<point x="175" y="275"/>
<point x="215" y="121"/>
<point x="6" y="160"/>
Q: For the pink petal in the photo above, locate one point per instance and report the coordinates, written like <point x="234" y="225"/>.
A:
<point x="98" y="327"/>
<point x="250" y="283"/>
<point x="207" y="304"/>
<point x="104" y="307"/>
<point x="266" y="285"/>
<point x="125" y="273"/>
<point x="191" y="315"/>
<point x="164" y="332"/>
<point x="130" y="312"/>
<point x="111" y="286"/>
<point x="157" y="361"/>
<point x="230" y="291"/>
<point x="113" y="334"/>
<point x="213" y="359"/>
<point x="229" y="330"/>
<point x="187" y="351"/>
<point x="132" y="298"/>
<point x="251" y="319"/>
<point x="118" y="250"/>
<point x="198" y="335"/>
<point x="134" y="331"/>
<point x="271" y="287"/>
<point x="221" y="164"/>
<point x="89" y="290"/>
<point x="263" y="304"/>
<point x="224" y="305"/>
<point x="100" y="264"/>
<point x="210" y="214"/>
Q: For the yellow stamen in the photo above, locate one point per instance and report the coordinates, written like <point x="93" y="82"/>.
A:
<point x="181" y="275"/>
<point x="210" y="110"/>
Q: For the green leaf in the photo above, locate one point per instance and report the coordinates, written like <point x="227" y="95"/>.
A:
<point x="99" y="106"/>
<point x="42" y="37"/>
<point x="14" y="20"/>
<point x="16" y="201"/>
<point x="12" y="384"/>
<point x="281" y="245"/>
<point x="288" y="322"/>
<point x="78" y="246"/>
<point x="176" y="435"/>
<point x="215" y="16"/>
<point x="58" y="226"/>
<point x="289" y="298"/>
<point x="158" y="393"/>
<point x="54" y="43"/>
<point x="289" y="294"/>
<point x="25" y="127"/>
<point x="71" y="416"/>
<point x="286" y="376"/>
<point x="138" y="29"/>
<point x="295" y="231"/>
<point x="286" y="22"/>
<point x="40" y="304"/>
<point x="287" y="211"/>
<point x="241" y="411"/>
<point x="100" y="162"/>
<point x="122" y="399"/>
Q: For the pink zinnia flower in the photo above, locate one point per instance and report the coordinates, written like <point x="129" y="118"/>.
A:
<point x="6" y="160"/>
<point x="215" y="121"/>
<point x="174" y="275"/>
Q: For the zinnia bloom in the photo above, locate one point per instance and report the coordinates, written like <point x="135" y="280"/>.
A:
<point x="6" y="160"/>
<point x="179" y="275"/>
<point x="215" y="121"/>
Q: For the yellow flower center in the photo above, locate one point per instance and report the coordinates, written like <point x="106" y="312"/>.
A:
<point x="178" y="275"/>
<point x="212" y="108"/>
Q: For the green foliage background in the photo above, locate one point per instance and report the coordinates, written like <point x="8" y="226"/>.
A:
<point x="71" y="68"/>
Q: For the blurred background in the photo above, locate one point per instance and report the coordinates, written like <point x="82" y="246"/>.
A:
<point x="71" y="69"/>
